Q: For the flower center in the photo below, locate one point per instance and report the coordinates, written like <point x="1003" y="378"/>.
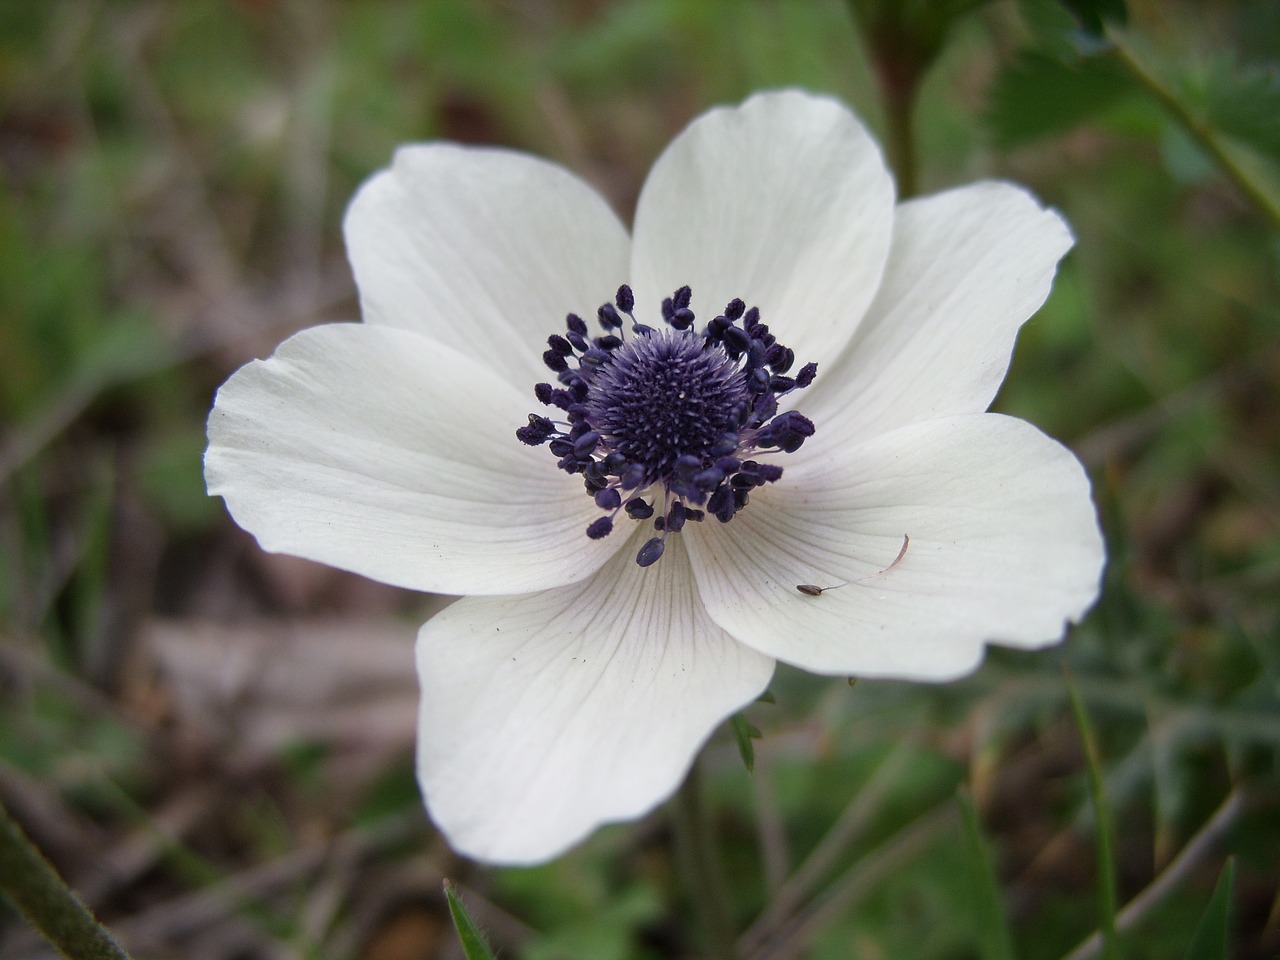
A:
<point x="671" y="412"/>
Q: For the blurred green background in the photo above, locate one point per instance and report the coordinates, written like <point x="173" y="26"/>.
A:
<point x="214" y="745"/>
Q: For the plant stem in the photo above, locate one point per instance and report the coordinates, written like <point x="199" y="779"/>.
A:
<point x="903" y="41"/>
<point x="700" y="862"/>
<point x="1203" y="133"/>
<point x="47" y="902"/>
<point x="899" y="98"/>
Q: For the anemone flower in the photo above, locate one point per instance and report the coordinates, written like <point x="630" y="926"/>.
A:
<point x="644" y="512"/>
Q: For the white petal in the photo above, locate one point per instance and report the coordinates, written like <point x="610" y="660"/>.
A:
<point x="784" y="202"/>
<point x="1004" y="548"/>
<point x="484" y="250"/>
<point x="381" y="452"/>
<point x="547" y="715"/>
<point x="966" y="269"/>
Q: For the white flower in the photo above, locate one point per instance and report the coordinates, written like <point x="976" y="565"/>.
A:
<point x="572" y="686"/>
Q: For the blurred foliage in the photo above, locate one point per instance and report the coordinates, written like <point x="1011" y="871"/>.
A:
<point x="172" y="181"/>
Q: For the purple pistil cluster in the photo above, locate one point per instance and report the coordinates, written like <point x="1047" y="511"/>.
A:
<point x="669" y="408"/>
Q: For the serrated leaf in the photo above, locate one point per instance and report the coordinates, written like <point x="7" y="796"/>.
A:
<point x="474" y="946"/>
<point x="1245" y="104"/>
<point x="744" y="733"/>
<point x="1037" y="96"/>
<point x="1094" y="14"/>
<point x="1212" y="935"/>
<point x="1052" y="27"/>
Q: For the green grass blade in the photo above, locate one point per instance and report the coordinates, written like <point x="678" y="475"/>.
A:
<point x="743" y="734"/>
<point x="1102" y="823"/>
<point x="473" y="942"/>
<point x="993" y="925"/>
<point x="1211" y="939"/>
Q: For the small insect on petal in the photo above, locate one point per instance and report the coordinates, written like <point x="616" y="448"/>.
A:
<point x="813" y="590"/>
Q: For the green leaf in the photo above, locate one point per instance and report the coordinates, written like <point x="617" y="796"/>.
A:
<point x="1092" y="14"/>
<point x="474" y="946"/>
<point x="1211" y="939"/>
<point x="1244" y="103"/>
<point x="993" y="925"/>
<point x="1037" y="96"/>
<point x="744" y="733"/>
<point x="1053" y="28"/>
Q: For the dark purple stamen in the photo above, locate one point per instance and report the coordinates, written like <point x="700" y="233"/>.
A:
<point x="670" y="409"/>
